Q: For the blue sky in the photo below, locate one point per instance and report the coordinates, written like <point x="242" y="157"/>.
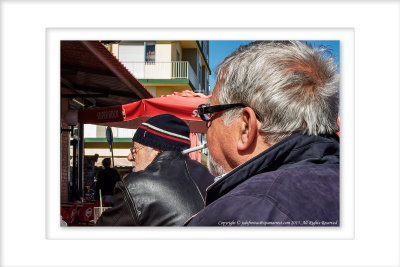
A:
<point x="221" y="49"/>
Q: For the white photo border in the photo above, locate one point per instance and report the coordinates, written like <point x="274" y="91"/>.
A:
<point x="373" y="236"/>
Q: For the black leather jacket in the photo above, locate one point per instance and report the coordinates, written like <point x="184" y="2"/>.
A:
<point x="167" y="192"/>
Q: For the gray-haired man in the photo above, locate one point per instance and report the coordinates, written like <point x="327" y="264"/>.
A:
<point x="166" y="187"/>
<point x="271" y="123"/>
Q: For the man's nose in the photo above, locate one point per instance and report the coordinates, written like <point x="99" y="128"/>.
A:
<point x="130" y="157"/>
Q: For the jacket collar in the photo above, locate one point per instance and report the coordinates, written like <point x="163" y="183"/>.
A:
<point x="169" y="155"/>
<point x="298" y="149"/>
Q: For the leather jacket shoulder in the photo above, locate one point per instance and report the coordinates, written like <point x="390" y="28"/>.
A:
<point x="165" y="193"/>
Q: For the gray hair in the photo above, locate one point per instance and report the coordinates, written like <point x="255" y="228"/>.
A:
<point x="292" y="86"/>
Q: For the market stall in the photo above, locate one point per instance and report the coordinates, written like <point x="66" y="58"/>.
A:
<point x="183" y="105"/>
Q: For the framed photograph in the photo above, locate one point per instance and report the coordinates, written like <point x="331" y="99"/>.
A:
<point x="74" y="74"/>
<point x="30" y="136"/>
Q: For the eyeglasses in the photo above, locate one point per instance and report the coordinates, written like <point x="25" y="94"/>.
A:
<point x="135" y="149"/>
<point x="206" y="111"/>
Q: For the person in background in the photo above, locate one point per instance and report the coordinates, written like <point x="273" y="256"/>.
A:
<point x="166" y="187"/>
<point x="106" y="180"/>
<point x="272" y="123"/>
<point x="89" y="173"/>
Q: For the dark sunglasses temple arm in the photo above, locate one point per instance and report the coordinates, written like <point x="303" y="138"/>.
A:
<point x="203" y="109"/>
<point x="212" y="109"/>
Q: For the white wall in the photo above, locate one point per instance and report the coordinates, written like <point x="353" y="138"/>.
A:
<point x="163" y="52"/>
<point x="123" y="133"/>
<point x="90" y="130"/>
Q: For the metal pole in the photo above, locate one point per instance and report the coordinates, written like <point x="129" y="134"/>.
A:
<point x="74" y="144"/>
<point x="109" y="137"/>
<point x="80" y="159"/>
<point x="112" y="155"/>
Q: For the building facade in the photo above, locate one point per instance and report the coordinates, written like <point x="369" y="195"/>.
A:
<point x="164" y="67"/>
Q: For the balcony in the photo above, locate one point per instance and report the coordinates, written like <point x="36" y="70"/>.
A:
<point x="163" y="70"/>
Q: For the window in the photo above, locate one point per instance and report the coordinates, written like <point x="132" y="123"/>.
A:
<point x="150" y="51"/>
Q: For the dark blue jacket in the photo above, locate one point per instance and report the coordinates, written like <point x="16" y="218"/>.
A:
<point x="293" y="183"/>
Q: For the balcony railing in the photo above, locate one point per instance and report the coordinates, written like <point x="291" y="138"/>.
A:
<point x="163" y="70"/>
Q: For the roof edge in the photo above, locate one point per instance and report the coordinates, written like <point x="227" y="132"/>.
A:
<point x="99" y="50"/>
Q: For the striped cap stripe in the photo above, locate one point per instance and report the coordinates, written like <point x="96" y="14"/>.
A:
<point x="164" y="135"/>
<point x="166" y="132"/>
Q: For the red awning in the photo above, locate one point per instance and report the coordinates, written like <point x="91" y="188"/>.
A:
<point x="183" y="105"/>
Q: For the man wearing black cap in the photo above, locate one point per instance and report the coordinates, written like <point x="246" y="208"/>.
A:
<point x="166" y="187"/>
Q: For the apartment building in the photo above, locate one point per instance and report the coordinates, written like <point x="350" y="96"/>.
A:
<point x="164" y="67"/>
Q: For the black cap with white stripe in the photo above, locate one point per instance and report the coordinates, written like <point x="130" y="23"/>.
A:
<point x="165" y="132"/>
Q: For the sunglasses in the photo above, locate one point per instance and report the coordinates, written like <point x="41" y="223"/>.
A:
<point x="206" y="111"/>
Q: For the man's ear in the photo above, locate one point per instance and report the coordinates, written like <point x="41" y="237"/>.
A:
<point x="154" y="153"/>
<point x="248" y="128"/>
<point x="157" y="151"/>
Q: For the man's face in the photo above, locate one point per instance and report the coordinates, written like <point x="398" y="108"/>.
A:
<point x="220" y="140"/>
<point x="142" y="156"/>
